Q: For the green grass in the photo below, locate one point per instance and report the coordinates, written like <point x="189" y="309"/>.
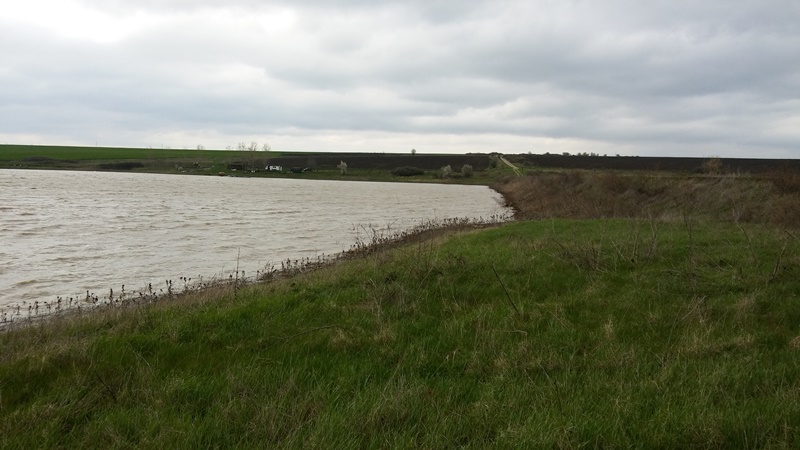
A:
<point x="535" y="334"/>
<point x="67" y="153"/>
<point x="205" y="162"/>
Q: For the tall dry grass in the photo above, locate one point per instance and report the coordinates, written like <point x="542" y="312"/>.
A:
<point x="774" y="199"/>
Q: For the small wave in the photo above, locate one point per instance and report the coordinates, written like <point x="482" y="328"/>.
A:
<point x="62" y="259"/>
<point x="96" y="241"/>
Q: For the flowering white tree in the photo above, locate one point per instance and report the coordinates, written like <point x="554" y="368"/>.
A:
<point x="342" y="167"/>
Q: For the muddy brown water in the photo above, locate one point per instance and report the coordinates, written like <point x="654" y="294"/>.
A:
<point x="65" y="233"/>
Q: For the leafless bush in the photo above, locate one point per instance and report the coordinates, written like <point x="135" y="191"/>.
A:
<point x="785" y="181"/>
<point x="712" y="166"/>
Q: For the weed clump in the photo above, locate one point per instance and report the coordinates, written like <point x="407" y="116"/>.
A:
<point x="712" y="166"/>
<point x="785" y="181"/>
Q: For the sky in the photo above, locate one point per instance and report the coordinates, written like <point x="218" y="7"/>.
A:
<point x="657" y="78"/>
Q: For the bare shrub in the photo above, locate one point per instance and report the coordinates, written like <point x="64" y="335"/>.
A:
<point x="712" y="166"/>
<point x="613" y="182"/>
<point x="785" y="181"/>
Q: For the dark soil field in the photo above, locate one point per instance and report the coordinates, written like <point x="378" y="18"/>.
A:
<point x="653" y="163"/>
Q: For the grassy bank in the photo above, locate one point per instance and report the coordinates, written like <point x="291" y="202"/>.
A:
<point x="773" y="198"/>
<point x="563" y="333"/>
<point x="208" y="162"/>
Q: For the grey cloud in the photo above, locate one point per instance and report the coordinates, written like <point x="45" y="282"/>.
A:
<point x="663" y="75"/>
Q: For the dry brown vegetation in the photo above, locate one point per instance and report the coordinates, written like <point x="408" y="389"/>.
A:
<point x="773" y="199"/>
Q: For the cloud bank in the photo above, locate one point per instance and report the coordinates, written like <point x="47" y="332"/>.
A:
<point x="666" y="78"/>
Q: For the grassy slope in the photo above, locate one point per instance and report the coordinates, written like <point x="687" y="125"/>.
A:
<point x="553" y="333"/>
<point x="66" y="153"/>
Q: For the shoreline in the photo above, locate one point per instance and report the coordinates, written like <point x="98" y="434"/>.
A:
<point x="65" y="308"/>
<point x="19" y="307"/>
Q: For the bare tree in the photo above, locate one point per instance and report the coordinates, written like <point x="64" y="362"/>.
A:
<point x="251" y="150"/>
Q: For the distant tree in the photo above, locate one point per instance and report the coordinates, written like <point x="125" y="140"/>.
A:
<point x="413" y="151"/>
<point x="342" y="167"/>
<point x="251" y="150"/>
<point x="467" y="170"/>
<point x="200" y="147"/>
<point x="266" y="147"/>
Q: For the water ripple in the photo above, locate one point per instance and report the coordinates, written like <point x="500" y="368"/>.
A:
<point x="79" y="231"/>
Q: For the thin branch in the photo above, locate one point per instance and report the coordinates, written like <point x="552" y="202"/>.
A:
<point x="505" y="290"/>
<point x="108" y="389"/>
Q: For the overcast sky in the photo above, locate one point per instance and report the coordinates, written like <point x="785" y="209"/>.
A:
<point x="631" y="77"/>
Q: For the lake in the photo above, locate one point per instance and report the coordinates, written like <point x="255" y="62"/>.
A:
<point x="65" y="233"/>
